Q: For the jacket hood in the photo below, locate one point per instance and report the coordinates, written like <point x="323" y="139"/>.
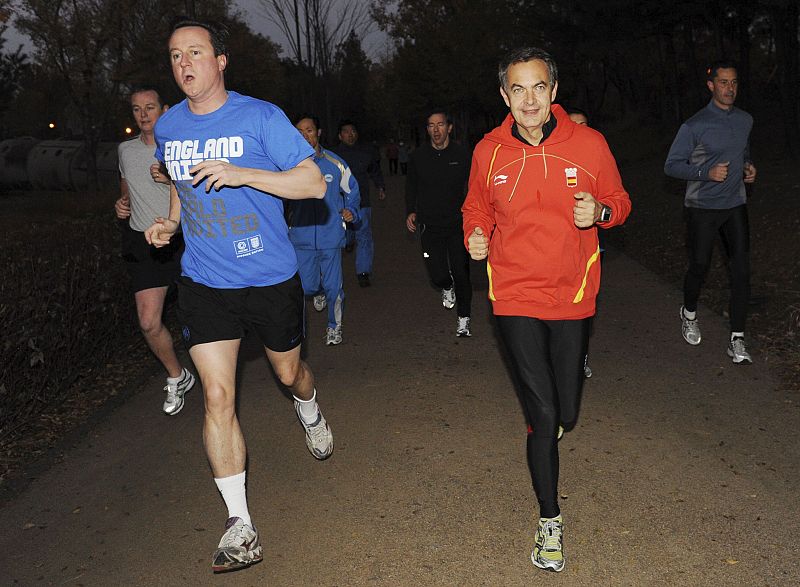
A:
<point x="562" y="132"/>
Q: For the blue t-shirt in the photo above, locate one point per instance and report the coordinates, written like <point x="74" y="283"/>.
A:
<point x="235" y="237"/>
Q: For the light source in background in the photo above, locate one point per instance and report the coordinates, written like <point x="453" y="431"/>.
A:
<point x="51" y="125"/>
<point x="128" y="130"/>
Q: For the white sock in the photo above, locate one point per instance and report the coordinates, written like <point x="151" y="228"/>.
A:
<point x="308" y="408"/>
<point x="737" y="335"/>
<point x="233" y="492"/>
<point x="174" y="380"/>
<point x="690" y="315"/>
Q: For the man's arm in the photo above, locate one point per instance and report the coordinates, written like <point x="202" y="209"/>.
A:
<point x="301" y="182"/>
<point x="610" y="191"/>
<point x="411" y="195"/>
<point x="122" y="206"/>
<point x="159" y="233"/>
<point x="352" y="197"/>
<point x="478" y="213"/>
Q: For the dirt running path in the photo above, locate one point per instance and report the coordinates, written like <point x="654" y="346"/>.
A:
<point x="683" y="469"/>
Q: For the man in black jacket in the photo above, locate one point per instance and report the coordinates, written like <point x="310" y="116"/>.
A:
<point x="435" y="187"/>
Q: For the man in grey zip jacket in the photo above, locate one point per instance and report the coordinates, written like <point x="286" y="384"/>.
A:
<point x="711" y="151"/>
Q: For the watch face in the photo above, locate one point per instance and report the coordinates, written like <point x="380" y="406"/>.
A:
<point x="605" y="214"/>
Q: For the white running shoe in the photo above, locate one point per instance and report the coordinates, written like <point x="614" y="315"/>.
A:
<point x="238" y="548"/>
<point x="320" y="302"/>
<point x="463" y="326"/>
<point x="548" y="552"/>
<point x="587" y="370"/>
<point x="738" y="352"/>
<point x="333" y="335"/>
<point x="449" y="298"/>
<point x="175" y="391"/>
<point x="319" y="437"/>
<point x="690" y="329"/>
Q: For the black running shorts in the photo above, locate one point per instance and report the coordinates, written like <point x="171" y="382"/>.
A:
<point x="274" y="312"/>
<point x="147" y="265"/>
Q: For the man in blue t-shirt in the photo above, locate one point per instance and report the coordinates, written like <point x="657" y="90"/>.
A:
<point x="317" y="230"/>
<point x="231" y="158"/>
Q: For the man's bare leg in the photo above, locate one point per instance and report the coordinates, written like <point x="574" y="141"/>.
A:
<point x="296" y="375"/>
<point x="150" y="307"/>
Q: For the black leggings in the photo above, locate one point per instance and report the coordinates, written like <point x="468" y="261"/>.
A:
<point x="732" y="225"/>
<point x="447" y="262"/>
<point x="547" y="360"/>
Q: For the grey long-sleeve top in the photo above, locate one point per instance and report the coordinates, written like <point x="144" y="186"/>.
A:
<point x="712" y="136"/>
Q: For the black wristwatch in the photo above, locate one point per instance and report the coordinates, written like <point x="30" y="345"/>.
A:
<point x="605" y="215"/>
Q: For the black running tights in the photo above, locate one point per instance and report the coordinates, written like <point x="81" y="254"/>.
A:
<point x="547" y="360"/>
<point x="732" y="225"/>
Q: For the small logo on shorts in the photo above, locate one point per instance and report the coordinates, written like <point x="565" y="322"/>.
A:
<point x="185" y="333"/>
<point x="572" y="176"/>
<point x="248" y="246"/>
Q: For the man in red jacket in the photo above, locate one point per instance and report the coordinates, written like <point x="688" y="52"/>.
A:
<point x="539" y="187"/>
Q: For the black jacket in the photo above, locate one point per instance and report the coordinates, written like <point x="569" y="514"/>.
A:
<point x="436" y="184"/>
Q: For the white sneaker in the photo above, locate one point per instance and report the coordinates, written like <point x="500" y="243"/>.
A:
<point x="690" y="329"/>
<point x="238" y="548"/>
<point x="320" y="303"/>
<point x="333" y="335"/>
<point x="319" y="437"/>
<point x="449" y="298"/>
<point x="738" y="352"/>
<point x="463" y="326"/>
<point x="548" y="551"/>
<point x="175" y="391"/>
<point x="587" y="370"/>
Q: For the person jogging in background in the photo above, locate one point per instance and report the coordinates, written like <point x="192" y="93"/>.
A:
<point x="231" y="159"/>
<point x="317" y="230"/>
<point x="144" y="196"/>
<point x="435" y="189"/>
<point x="365" y="163"/>
<point x="712" y="152"/>
<point x="539" y="187"/>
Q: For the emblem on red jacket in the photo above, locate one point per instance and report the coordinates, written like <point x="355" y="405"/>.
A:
<point x="572" y="176"/>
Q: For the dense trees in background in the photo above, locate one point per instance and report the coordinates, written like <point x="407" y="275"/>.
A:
<point x="619" y="59"/>
<point x="637" y="62"/>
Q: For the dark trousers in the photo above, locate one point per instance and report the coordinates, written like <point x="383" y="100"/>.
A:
<point x="732" y="225"/>
<point x="447" y="262"/>
<point x="547" y="361"/>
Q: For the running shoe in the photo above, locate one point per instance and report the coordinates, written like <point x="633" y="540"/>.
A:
<point x="238" y="548"/>
<point x="548" y="551"/>
<point x="175" y="391"/>
<point x="463" y="326"/>
<point x="333" y="335"/>
<point x="738" y="352"/>
<point x="449" y="298"/>
<point x="320" y="303"/>
<point x="319" y="438"/>
<point x="690" y="329"/>
<point x="587" y="370"/>
<point x="363" y="280"/>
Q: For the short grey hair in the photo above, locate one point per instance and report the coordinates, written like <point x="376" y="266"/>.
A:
<point x="523" y="55"/>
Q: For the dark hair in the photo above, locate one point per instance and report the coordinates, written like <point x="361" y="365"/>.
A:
<point x="346" y="122"/>
<point x="523" y="55"/>
<point x="573" y="110"/>
<point x="714" y="67"/>
<point x="442" y="111"/>
<point x="217" y="32"/>
<point x="146" y="88"/>
<point x="305" y="115"/>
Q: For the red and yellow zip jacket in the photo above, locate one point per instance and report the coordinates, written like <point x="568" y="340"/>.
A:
<point x="540" y="264"/>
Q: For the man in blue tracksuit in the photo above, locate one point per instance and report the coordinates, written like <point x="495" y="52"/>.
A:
<point x="317" y="230"/>
<point x="711" y="151"/>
